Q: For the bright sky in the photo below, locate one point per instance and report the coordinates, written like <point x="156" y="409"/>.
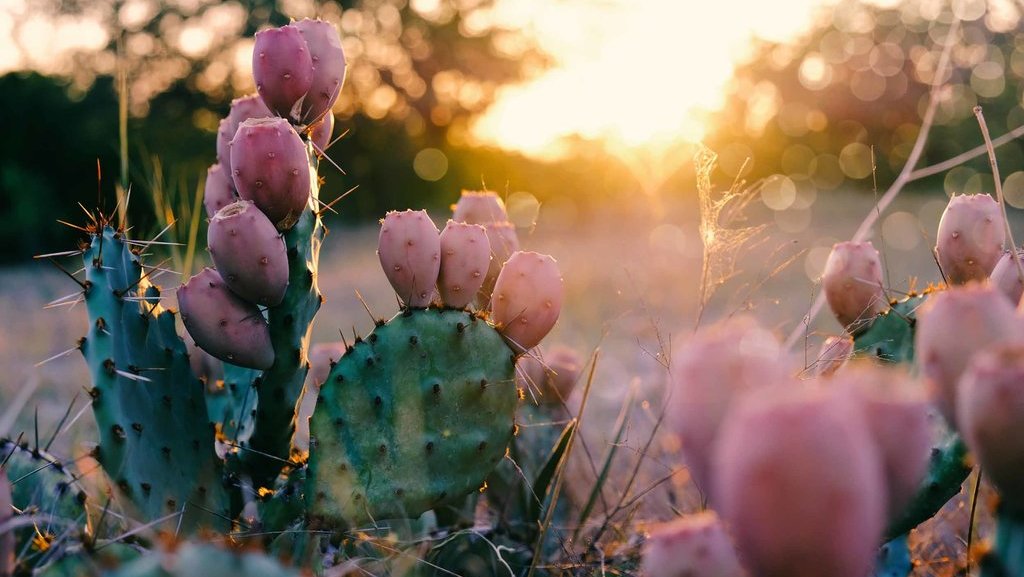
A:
<point x="632" y="72"/>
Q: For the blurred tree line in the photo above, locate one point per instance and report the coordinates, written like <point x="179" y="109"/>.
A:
<point x="810" y="112"/>
<point x="850" y="95"/>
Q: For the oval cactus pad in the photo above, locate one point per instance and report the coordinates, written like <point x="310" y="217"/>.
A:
<point x="413" y="417"/>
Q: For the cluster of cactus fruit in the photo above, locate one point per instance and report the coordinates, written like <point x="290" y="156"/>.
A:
<point x="198" y="438"/>
<point x="858" y="451"/>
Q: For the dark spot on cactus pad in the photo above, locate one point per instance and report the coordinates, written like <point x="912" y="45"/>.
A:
<point x="430" y="447"/>
<point x="293" y="253"/>
<point x="108" y="365"/>
<point x="339" y="422"/>
<point x="436" y="388"/>
<point x="137" y="427"/>
<point x="172" y="504"/>
<point x="118" y="431"/>
<point x="338" y="379"/>
<point x="377" y="401"/>
<point x="166" y="452"/>
<point x="372" y="338"/>
<point x="460" y="328"/>
<point x="289" y="320"/>
<point x="166" y="401"/>
<point x="399" y="492"/>
<point x="379" y="322"/>
<point x="94" y="393"/>
<point x="413" y="340"/>
<point x="481" y="446"/>
<point x="146" y="488"/>
<point x="124" y="486"/>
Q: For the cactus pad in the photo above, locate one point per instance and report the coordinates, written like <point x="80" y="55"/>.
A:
<point x="412" y="417"/>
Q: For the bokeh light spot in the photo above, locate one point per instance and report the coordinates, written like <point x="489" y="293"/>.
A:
<point x="430" y="164"/>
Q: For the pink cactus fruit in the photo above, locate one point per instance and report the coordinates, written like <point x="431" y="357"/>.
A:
<point x="970" y="238"/>
<point x="465" y="257"/>
<point x="409" y="247"/>
<point x="283" y="69"/>
<point x="527" y="299"/>
<point x="990" y="415"/>
<point x="328" y="60"/>
<point x="6" y="536"/>
<point x="708" y="372"/>
<point x="219" y="190"/>
<point x="269" y="167"/>
<point x="691" y="546"/>
<point x="834" y="354"/>
<point x="896" y="408"/>
<point x="223" y="324"/>
<point x="853" y="284"/>
<point x="799" y="482"/>
<point x="952" y="327"/>
<point x="320" y="133"/>
<point x="249" y="253"/>
<point x="242" y="109"/>
<point x="1006" y="277"/>
<point x="479" y="208"/>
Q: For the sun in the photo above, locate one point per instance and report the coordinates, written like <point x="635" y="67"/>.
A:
<point x="631" y="72"/>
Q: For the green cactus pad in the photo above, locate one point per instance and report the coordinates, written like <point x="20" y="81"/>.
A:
<point x="1006" y="558"/>
<point x="40" y="483"/>
<point x="891" y="335"/>
<point x="232" y="404"/>
<point x="413" y="417"/>
<point x="156" y="441"/>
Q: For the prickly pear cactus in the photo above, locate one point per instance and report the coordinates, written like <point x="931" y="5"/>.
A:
<point x="155" y="440"/>
<point x="412" y="417"/>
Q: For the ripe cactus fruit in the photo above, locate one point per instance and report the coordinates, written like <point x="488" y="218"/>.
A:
<point x="952" y="327"/>
<point x="479" y="208"/>
<point x="224" y="325"/>
<point x="708" y="372"/>
<point x="283" y="69"/>
<point x="269" y="166"/>
<point x="527" y="298"/>
<point x="1006" y="277"/>
<point x="835" y="352"/>
<point x="691" y="546"/>
<point x="990" y="415"/>
<point x="409" y="247"/>
<point x="249" y="253"/>
<point x="412" y="417"/>
<point x="970" y="238"/>
<point x="853" y="284"/>
<point x="804" y="456"/>
<point x="219" y="190"/>
<point x="328" y="60"/>
<point x="242" y="109"/>
<point x="320" y="133"/>
<point x="896" y="409"/>
<point x="504" y="242"/>
<point x="6" y="536"/>
<point x="465" y="258"/>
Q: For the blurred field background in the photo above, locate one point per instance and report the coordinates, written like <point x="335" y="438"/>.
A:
<point x="586" y="116"/>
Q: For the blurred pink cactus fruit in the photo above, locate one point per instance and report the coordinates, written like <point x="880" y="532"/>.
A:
<point x="708" y="372"/>
<point x="970" y="238"/>
<point x="223" y="324"/>
<point x="835" y="352"/>
<point x="990" y="416"/>
<point x="953" y="326"/>
<point x="249" y="253"/>
<point x="896" y="408"/>
<point x="691" y="546"/>
<point x="1007" y="278"/>
<point x="409" y="247"/>
<point x="800" y="483"/>
<point x="853" y="284"/>
<point x="527" y="299"/>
